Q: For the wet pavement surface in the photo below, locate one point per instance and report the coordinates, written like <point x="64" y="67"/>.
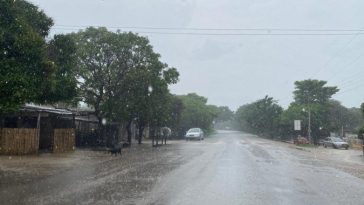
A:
<point x="226" y="168"/>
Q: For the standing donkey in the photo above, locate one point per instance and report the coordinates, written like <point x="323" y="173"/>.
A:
<point x="165" y="132"/>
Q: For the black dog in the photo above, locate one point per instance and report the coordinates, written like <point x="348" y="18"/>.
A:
<point x="115" y="150"/>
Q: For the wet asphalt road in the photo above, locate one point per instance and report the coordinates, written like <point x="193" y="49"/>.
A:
<point x="227" y="168"/>
<point x="237" y="168"/>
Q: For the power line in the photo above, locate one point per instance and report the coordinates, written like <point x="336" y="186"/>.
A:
<point x="237" y="34"/>
<point x="346" y="66"/>
<point x="350" y="89"/>
<point x="349" y="82"/>
<point x="252" y="34"/>
<point x="337" y="53"/>
<point x="350" y="79"/>
<point x="215" y="29"/>
<point x="227" y="31"/>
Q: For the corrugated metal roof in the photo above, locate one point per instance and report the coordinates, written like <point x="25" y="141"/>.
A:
<point x="47" y="109"/>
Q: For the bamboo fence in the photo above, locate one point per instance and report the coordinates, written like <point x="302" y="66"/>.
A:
<point x="18" y="141"/>
<point x="63" y="140"/>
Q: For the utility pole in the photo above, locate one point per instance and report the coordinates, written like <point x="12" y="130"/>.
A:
<point x="309" y="126"/>
<point x="309" y="123"/>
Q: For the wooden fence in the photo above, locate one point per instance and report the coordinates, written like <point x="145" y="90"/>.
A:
<point x="63" y="140"/>
<point x="17" y="141"/>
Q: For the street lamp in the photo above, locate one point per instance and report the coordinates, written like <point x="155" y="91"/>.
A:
<point x="309" y="124"/>
<point x="320" y="132"/>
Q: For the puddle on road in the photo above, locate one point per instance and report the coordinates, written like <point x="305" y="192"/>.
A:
<point x="89" y="175"/>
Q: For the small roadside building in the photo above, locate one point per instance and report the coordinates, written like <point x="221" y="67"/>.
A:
<point x="36" y="129"/>
<point x="86" y="127"/>
<point x="88" y="133"/>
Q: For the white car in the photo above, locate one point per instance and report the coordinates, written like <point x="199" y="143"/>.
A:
<point x="194" y="133"/>
<point x="335" y="142"/>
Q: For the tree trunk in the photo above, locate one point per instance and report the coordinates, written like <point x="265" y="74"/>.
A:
<point x="128" y="129"/>
<point x="141" y="129"/>
<point x="101" y="135"/>
<point x="157" y="135"/>
<point x="151" y="133"/>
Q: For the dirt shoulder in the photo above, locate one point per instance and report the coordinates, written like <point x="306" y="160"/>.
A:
<point x="350" y="161"/>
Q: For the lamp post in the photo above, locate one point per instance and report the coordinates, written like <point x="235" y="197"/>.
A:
<point x="319" y="137"/>
<point x="309" y="124"/>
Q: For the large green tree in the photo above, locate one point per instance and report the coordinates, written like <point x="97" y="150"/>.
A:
<point x="196" y="113"/>
<point x="261" y="117"/>
<point x="148" y="100"/>
<point x="23" y="63"/>
<point x="62" y="87"/>
<point x="99" y="67"/>
<point x="319" y="120"/>
<point x="31" y="70"/>
<point x="121" y="76"/>
<point x="176" y="108"/>
<point x="311" y="97"/>
<point x="308" y="92"/>
<point x="293" y="112"/>
<point x="144" y="96"/>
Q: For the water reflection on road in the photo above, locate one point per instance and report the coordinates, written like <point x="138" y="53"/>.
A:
<point x="227" y="168"/>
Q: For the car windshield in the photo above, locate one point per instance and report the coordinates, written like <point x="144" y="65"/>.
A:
<point x="194" y="130"/>
<point x="337" y="139"/>
<point x="182" y="102"/>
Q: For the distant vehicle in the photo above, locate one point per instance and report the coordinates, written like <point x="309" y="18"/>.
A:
<point x="194" y="133"/>
<point x="335" y="142"/>
<point x="301" y="140"/>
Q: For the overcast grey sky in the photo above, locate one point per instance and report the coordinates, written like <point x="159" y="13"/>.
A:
<point x="235" y="70"/>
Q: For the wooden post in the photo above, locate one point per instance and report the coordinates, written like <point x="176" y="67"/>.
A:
<point x="74" y="130"/>
<point x="2" y="121"/>
<point x="74" y="121"/>
<point x="1" y="130"/>
<point x="38" y="133"/>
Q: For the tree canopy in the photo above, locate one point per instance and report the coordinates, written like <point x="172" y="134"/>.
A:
<point x="224" y="114"/>
<point x="196" y="113"/>
<point x="311" y="97"/>
<point x="22" y="55"/>
<point x="310" y="91"/>
<point x="122" y="77"/>
<point x="261" y="116"/>
<point x="62" y="86"/>
<point x="31" y="69"/>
